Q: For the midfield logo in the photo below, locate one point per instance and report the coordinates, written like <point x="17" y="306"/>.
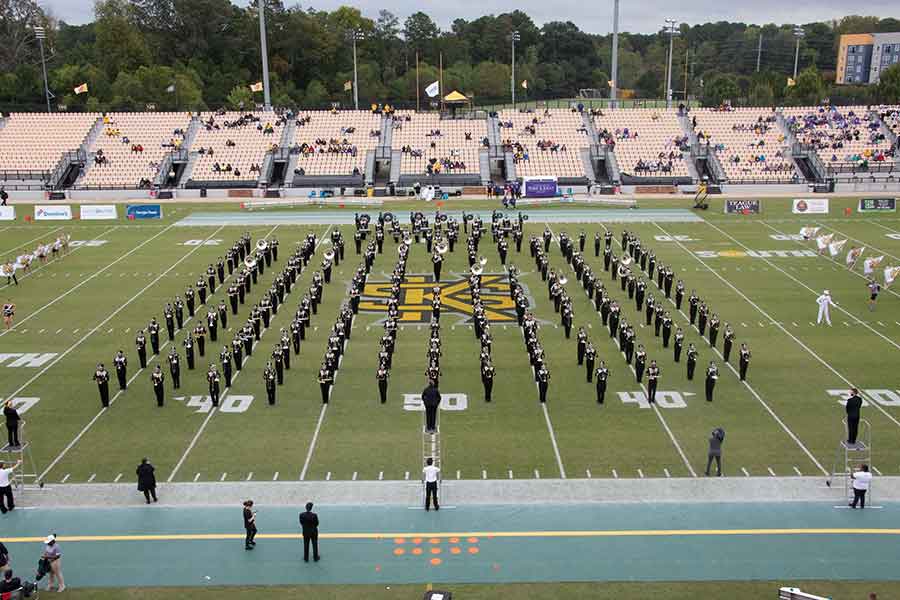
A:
<point x="415" y="298"/>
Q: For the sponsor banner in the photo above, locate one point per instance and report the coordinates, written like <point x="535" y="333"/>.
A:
<point x="144" y="211"/>
<point x="7" y="213"/>
<point x="877" y="204"/>
<point x="540" y="187"/>
<point x="63" y="212"/>
<point x="756" y="253"/>
<point x="810" y="206"/>
<point x="742" y="207"/>
<point x="98" y="212"/>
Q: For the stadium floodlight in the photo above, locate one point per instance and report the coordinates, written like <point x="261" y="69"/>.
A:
<point x="264" y="52"/>
<point x="41" y="34"/>
<point x="514" y="37"/>
<point x="670" y="29"/>
<point x="798" y="33"/>
<point x="355" y="36"/>
<point x="614" y="82"/>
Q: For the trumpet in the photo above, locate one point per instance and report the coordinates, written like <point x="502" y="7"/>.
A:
<point x="442" y="247"/>
<point x="483" y="261"/>
<point x="626" y="260"/>
<point x="250" y="262"/>
<point x="562" y="280"/>
<point x="329" y="254"/>
<point x="261" y="245"/>
<point x="477" y="270"/>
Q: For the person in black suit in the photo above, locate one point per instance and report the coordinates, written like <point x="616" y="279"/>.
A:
<point x="309" y="521"/>
<point x="854" y="404"/>
<point x="146" y="479"/>
<point x="431" y="398"/>
<point x="13" y="420"/>
<point x="9" y="583"/>
<point x="249" y="525"/>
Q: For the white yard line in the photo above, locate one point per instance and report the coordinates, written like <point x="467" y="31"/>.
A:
<point x="90" y="424"/>
<point x="803" y="285"/>
<point x="84" y="281"/>
<point x="312" y="443"/>
<point x="799" y="342"/>
<point x="562" y="470"/>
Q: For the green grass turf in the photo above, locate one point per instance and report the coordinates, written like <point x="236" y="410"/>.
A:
<point x="615" y="590"/>
<point x="359" y="435"/>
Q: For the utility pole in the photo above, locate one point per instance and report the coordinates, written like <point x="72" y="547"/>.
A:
<point x="613" y="89"/>
<point x="798" y="33"/>
<point x="670" y="27"/>
<point x="355" y="35"/>
<point x="41" y="35"/>
<point x="512" y="74"/>
<point x="759" y="52"/>
<point x="684" y="96"/>
<point x="264" y="51"/>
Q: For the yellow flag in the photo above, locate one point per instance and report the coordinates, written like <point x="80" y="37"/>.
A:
<point x="348" y="85"/>
<point x="791" y="82"/>
<point x="256" y="87"/>
<point x="525" y="84"/>
<point x="81" y="89"/>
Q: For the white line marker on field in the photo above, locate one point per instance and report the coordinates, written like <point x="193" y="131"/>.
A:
<point x="562" y="469"/>
<point x="666" y="471"/>
<point x="615" y="475"/>
<point x="406" y="476"/>
<point x="59" y="330"/>
<point x="746" y="474"/>
<point x="510" y="473"/>
<point x="877" y="472"/>
<point x="66" y="478"/>
<point x="224" y="475"/>
<point x="118" y="477"/>
<point x="640" y="474"/>
<point x="797" y="471"/>
<point x="537" y="474"/>
<point x="275" y="477"/>
<point x="353" y="478"/>
<point x="312" y="443"/>
<point x="92" y="477"/>
<point x="196" y="477"/>
<point x="771" y="472"/>
<point x="43" y="330"/>
<point x="328" y="476"/>
<point x="588" y="473"/>
<point x="483" y="474"/>
<point x="249" y="475"/>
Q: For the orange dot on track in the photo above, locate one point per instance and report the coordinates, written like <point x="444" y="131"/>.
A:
<point x="417" y="551"/>
<point x="417" y="540"/>
<point x="473" y="550"/>
<point x="434" y="541"/>
<point x="435" y="550"/>
<point x="472" y="540"/>
<point x="399" y="551"/>
<point x="435" y="561"/>
<point x="399" y="540"/>
<point x="454" y="540"/>
<point x="455" y="550"/>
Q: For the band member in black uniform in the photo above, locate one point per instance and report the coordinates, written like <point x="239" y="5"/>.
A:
<point x="597" y="244"/>
<point x="666" y="329"/>
<point x="702" y="318"/>
<point x="727" y="341"/>
<point x="212" y="323"/>
<point x="651" y="307"/>
<point x="200" y="335"/>
<point x="679" y="343"/>
<point x="211" y="279"/>
<point x="581" y="336"/>
<point x="713" y="330"/>
<point x="693" y="303"/>
<point x="141" y="343"/>
<point x="326" y="378"/>
<point x="201" y="292"/>
<point x="602" y="375"/>
<point x="101" y="376"/>
<point x="237" y="350"/>
<point x="652" y="381"/>
<point x="691" y="361"/>
<point x="179" y="311"/>
<point x="547" y="237"/>
<point x="712" y="373"/>
<point x="157" y="378"/>
<point x="487" y="379"/>
<point x="153" y="330"/>
<point x="285" y="349"/>
<point x="225" y="359"/>
<point x="679" y="294"/>
<point x="189" y="350"/>
<point x="543" y="380"/>
<point x="223" y="314"/>
<point x="233" y="298"/>
<point x="613" y="318"/>
<point x="745" y="361"/>
<point x="381" y="376"/>
<point x="278" y="357"/>
<point x="269" y="378"/>
<point x="589" y="355"/>
<point x="190" y="299"/>
<point x="437" y="262"/>
<point x="582" y="239"/>
<point x="220" y="270"/>
<point x="169" y="315"/>
<point x="566" y="318"/>
<point x="175" y="368"/>
<point x="640" y="362"/>
<point x="120" y="362"/>
<point x="629" y="343"/>
<point x="212" y="378"/>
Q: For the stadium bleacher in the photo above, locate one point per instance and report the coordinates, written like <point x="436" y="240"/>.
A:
<point x="647" y="142"/>
<point x="431" y="144"/>
<point x="33" y="142"/>
<point x="547" y="142"/>
<point x="334" y="142"/>
<point x="839" y="135"/>
<point x="236" y="143"/>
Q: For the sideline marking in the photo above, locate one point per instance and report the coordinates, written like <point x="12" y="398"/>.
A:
<point x="312" y="443"/>
<point x="562" y="470"/>
<point x="602" y="533"/>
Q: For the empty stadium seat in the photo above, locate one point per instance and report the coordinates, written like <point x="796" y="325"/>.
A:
<point x="347" y="137"/>
<point x="36" y="141"/>
<point x="645" y="135"/>
<point x="239" y="145"/>
<point x="562" y="134"/>
<point x="413" y="131"/>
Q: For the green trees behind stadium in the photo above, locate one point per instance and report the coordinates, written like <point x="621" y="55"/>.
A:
<point x="135" y="50"/>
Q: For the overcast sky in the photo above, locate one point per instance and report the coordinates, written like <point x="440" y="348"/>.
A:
<point x="644" y="17"/>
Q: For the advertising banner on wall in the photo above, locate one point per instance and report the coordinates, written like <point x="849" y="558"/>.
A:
<point x="810" y="206"/>
<point x="540" y="187"/>
<point x="144" y="211"/>
<point x="63" y="212"/>
<point x="98" y="212"/>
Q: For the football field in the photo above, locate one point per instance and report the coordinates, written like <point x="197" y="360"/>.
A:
<point x="754" y="271"/>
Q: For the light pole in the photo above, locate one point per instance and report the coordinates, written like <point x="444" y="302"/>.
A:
<point x="514" y="37"/>
<point x="613" y="89"/>
<point x="670" y="28"/>
<point x="356" y="35"/>
<point x="41" y="35"/>
<point x="798" y="33"/>
<point x="263" y="49"/>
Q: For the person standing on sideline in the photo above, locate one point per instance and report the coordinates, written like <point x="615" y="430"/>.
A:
<point x="715" y="450"/>
<point x="862" y="478"/>
<point x="431" y="398"/>
<point x="6" y="496"/>
<point x="874" y="289"/>
<point x="309" y="521"/>
<point x="430" y="474"/>
<point x="854" y="404"/>
<point x="825" y="303"/>
<point x="53" y="555"/>
<point x="146" y="479"/>
<point x="249" y="525"/>
<point x="13" y="422"/>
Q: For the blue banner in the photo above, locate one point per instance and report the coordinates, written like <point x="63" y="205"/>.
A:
<point x="540" y="188"/>
<point x="144" y="211"/>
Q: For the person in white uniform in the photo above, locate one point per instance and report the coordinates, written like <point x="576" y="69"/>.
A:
<point x="825" y="303"/>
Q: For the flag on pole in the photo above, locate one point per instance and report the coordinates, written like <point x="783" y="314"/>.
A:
<point x="525" y="84"/>
<point x="824" y="240"/>
<point x="256" y="87"/>
<point x="791" y="82"/>
<point x="853" y="256"/>
<point x="433" y="90"/>
<point x="348" y="85"/>
<point x="81" y="89"/>
<point x="171" y="88"/>
<point x="870" y="264"/>
<point x="890" y="274"/>
<point x="809" y="232"/>
<point x="835" y="247"/>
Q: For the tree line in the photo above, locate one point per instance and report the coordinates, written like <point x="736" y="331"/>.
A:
<point x="204" y="54"/>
